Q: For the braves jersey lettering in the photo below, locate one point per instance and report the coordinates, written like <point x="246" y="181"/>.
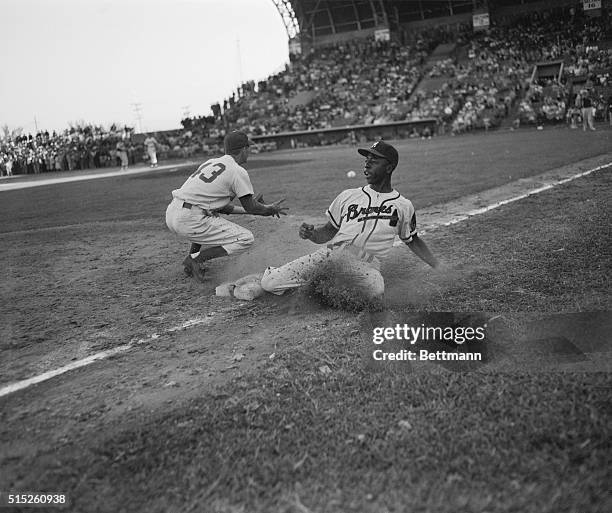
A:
<point x="370" y="220"/>
<point x="354" y="211"/>
<point x="215" y="184"/>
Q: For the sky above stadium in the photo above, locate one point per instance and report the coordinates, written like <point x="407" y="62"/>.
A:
<point x="102" y="61"/>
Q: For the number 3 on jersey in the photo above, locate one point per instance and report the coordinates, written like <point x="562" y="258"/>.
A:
<point x="208" y="172"/>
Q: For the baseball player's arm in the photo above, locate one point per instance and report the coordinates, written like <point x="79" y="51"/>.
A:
<point x="320" y="234"/>
<point x="235" y="209"/>
<point x="231" y="209"/>
<point x="420" y="249"/>
<point x="251" y="206"/>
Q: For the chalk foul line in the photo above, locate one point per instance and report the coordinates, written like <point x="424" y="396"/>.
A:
<point x="20" y="385"/>
<point x="441" y="221"/>
<point x="432" y="218"/>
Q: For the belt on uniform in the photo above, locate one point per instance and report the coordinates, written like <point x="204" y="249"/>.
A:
<point x="189" y="206"/>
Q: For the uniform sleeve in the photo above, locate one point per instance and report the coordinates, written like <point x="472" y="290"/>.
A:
<point x="337" y="209"/>
<point x="408" y="226"/>
<point x="242" y="184"/>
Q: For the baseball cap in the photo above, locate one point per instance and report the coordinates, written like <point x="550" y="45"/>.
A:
<point x="236" y="140"/>
<point x="381" y="149"/>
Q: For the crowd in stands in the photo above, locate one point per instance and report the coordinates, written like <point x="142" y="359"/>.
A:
<point x="487" y="78"/>
<point x="373" y="82"/>
<point x="93" y="147"/>
<point x="81" y="147"/>
<point x="355" y="82"/>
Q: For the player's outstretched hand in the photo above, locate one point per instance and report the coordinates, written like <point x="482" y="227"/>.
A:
<point x="306" y="231"/>
<point x="277" y="209"/>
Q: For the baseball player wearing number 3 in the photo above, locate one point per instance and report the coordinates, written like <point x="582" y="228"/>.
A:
<point x="194" y="210"/>
<point x="362" y="223"/>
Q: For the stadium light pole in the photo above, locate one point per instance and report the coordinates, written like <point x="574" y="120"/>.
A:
<point x="239" y="60"/>
<point x="137" y="107"/>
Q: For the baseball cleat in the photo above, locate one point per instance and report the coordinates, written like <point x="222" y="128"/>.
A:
<point x="192" y="268"/>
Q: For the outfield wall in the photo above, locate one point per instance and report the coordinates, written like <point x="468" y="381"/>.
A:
<point x="360" y="133"/>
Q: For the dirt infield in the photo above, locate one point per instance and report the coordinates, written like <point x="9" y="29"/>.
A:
<point x="92" y="268"/>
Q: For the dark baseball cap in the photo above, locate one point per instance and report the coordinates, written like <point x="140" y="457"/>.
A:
<point x="381" y="149"/>
<point x="236" y="140"/>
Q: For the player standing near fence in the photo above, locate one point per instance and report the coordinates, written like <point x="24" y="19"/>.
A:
<point x="151" y="146"/>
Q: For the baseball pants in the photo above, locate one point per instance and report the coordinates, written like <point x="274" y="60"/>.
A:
<point x="197" y="225"/>
<point x="362" y="275"/>
<point x="587" y="118"/>
<point x="152" y="157"/>
<point x="123" y="156"/>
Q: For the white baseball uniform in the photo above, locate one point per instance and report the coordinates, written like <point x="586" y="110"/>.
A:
<point x="212" y="186"/>
<point x="122" y="154"/>
<point x="151" y="145"/>
<point x="367" y="222"/>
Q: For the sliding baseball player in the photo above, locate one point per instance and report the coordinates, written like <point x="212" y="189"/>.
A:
<point x="361" y="228"/>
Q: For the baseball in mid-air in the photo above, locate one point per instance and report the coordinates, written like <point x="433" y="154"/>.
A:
<point x="351" y="174"/>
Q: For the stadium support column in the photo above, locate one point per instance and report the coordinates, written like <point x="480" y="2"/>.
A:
<point x="379" y="13"/>
<point x="356" y="13"/>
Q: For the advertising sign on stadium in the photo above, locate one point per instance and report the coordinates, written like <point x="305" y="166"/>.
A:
<point x="589" y="5"/>
<point x="481" y="21"/>
<point x="382" y="34"/>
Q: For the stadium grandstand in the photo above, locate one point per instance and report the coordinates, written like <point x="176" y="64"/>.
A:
<point x="362" y="69"/>
<point x="366" y="69"/>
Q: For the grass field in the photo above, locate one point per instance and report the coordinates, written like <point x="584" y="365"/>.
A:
<point x="278" y="405"/>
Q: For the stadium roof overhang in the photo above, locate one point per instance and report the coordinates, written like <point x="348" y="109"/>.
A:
<point x="314" y="18"/>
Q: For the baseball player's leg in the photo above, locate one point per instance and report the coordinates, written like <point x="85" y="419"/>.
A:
<point x="192" y="224"/>
<point x="293" y="274"/>
<point x="360" y="275"/>
<point x="175" y="216"/>
<point x="206" y="231"/>
<point x="216" y="232"/>
<point x="591" y="118"/>
<point x="152" y="157"/>
<point x="212" y="237"/>
<point x="364" y="278"/>
<point x="176" y="219"/>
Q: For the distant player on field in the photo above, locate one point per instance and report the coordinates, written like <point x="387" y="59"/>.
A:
<point x="151" y="146"/>
<point x="122" y="154"/>
<point x="362" y="225"/>
<point x="193" y="212"/>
